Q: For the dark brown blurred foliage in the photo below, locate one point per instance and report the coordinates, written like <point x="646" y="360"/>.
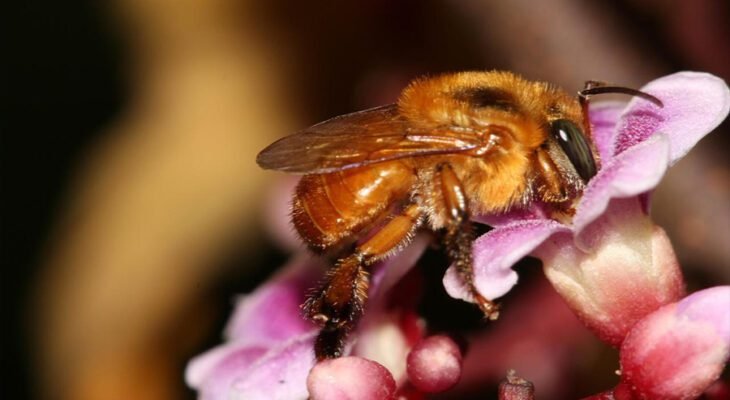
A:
<point x="131" y="207"/>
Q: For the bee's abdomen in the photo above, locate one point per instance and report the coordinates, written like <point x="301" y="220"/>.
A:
<point x="330" y="207"/>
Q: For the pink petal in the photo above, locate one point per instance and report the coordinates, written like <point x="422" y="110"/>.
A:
<point x="434" y="364"/>
<point x="694" y="104"/>
<point x="213" y="372"/>
<point x="710" y="305"/>
<point x="604" y="116"/>
<point x="496" y="252"/>
<point x="679" y="350"/>
<point x="536" y="210"/>
<point x="281" y="374"/>
<point x="635" y="171"/>
<point x="351" y="378"/>
<point x="271" y="314"/>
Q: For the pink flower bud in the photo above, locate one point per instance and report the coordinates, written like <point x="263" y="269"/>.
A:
<point x="630" y="271"/>
<point x="679" y="350"/>
<point x="352" y="378"/>
<point x="434" y="364"/>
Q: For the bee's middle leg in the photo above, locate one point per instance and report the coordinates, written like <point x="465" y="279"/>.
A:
<point x="460" y="236"/>
<point x="339" y="301"/>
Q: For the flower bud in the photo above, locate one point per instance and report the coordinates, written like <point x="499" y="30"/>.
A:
<point x="680" y="349"/>
<point x="434" y="364"/>
<point x="630" y="271"/>
<point x="352" y="378"/>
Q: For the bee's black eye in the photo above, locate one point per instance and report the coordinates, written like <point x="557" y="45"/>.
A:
<point x="574" y="145"/>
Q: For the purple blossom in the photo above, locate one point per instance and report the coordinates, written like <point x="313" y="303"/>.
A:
<point x="612" y="265"/>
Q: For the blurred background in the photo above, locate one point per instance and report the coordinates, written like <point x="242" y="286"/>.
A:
<point x="133" y="209"/>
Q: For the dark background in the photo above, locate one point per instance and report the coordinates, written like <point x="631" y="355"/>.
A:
<point x="62" y="84"/>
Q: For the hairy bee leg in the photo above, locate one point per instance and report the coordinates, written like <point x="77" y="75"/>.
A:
<point x="338" y="303"/>
<point x="460" y="236"/>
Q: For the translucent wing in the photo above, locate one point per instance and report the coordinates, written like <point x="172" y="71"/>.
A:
<point x="361" y="138"/>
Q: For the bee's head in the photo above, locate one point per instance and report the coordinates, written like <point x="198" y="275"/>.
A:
<point x="573" y="160"/>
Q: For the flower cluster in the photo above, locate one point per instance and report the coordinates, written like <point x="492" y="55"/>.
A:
<point x="614" y="268"/>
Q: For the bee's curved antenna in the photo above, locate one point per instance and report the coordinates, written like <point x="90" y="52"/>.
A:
<point x="595" y="87"/>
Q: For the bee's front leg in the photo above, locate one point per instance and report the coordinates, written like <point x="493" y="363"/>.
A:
<point x="460" y="236"/>
<point x="338" y="303"/>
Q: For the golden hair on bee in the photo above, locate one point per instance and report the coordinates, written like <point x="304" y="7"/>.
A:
<point x="454" y="145"/>
<point x="453" y="98"/>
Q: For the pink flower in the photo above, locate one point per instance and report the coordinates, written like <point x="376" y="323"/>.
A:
<point x="677" y="351"/>
<point x="610" y="263"/>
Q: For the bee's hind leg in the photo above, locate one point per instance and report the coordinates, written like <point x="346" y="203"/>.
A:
<point x="460" y="236"/>
<point x="338" y="303"/>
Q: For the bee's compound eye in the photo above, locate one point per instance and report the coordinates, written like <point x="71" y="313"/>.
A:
<point x="574" y="145"/>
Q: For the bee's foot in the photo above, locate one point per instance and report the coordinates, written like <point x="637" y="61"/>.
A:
<point x="488" y="307"/>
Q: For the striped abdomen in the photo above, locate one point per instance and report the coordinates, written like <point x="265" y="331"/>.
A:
<point x="333" y="206"/>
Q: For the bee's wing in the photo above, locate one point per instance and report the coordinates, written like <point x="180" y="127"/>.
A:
<point x="361" y="138"/>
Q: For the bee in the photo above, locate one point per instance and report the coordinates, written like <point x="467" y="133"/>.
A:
<point x="453" y="146"/>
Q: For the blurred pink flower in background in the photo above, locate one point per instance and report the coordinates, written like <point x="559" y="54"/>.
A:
<point x="615" y="269"/>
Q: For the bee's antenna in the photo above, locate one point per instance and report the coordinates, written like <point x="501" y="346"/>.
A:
<point x="594" y="87"/>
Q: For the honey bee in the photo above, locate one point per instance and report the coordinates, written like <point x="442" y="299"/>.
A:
<point x="453" y="146"/>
